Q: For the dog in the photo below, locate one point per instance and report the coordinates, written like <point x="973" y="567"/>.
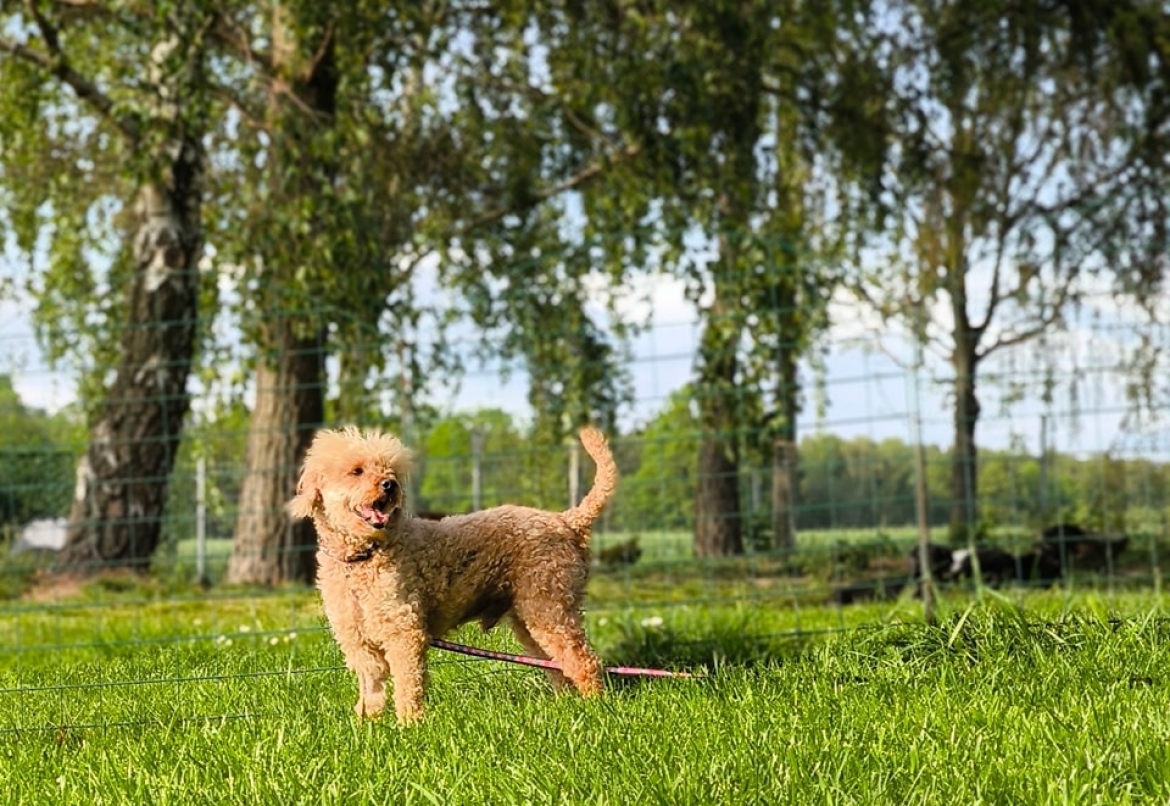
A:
<point x="1039" y="566"/>
<point x="996" y="566"/>
<point x="391" y="582"/>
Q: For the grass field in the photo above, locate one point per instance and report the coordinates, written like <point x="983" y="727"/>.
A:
<point x="131" y="692"/>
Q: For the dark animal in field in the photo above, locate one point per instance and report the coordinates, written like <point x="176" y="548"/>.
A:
<point x="879" y="590"/>
<point x="998" y="567"/>
<point x="939" y="558"/>
<point x="995" y="566"/>
<point x="1045" y="567"/>
<point x="627" y="552"/>
<point x="1073" y="547"/>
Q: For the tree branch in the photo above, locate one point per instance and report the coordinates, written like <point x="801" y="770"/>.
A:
<point x="1019" y="337"/>
<point x="233" y="100"/>
<point x="581" y="177"/>
<point x="56" y="65"/>
<point x="228" y="33"/>
<point x="1046" y="320"/>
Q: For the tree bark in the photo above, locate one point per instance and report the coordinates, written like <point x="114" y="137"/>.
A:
<point x="964" y="513"/>
<point x="785" y="486"/>
<point x="718" y="527"/>
<point x="268" y="548"/>
<point x="121" y="483"/>
<point x="784" y="490"/>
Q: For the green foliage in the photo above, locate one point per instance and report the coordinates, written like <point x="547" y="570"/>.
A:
<point x="729" y="170"/>
<point x="37" y="455"/>
<point x="659" y="494"/>
<point x="1029" y="163"/>
<point x="219" y="440"/>
<point x="83" y="125"/>
<point x="448" y="455"/>
<point x="854" y="484"/>
<point x="545" y="154"/>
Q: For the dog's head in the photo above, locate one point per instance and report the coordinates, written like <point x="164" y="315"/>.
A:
<point x="355" y="479"/>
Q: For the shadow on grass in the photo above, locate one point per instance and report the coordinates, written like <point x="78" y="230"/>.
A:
<point x="664" y="648"/>
<point x="983" y="634"/>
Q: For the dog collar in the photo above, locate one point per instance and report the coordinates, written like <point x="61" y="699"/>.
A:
<point x="361" y="556"/>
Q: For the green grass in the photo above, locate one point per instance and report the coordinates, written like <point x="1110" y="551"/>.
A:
<point x="136" y="692"/>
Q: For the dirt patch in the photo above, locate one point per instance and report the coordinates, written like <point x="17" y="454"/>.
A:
<point x="53" y="588"/>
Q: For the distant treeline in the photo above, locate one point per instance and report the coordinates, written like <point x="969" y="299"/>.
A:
<point x="843" y="483"/>
<point x="860" y="483"/>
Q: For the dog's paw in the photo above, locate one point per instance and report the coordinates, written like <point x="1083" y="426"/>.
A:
<point x="410" y="716"/>
<point x="368" y="710"/>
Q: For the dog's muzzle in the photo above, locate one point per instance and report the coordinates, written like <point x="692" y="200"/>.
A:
<point x="377" y="512"/>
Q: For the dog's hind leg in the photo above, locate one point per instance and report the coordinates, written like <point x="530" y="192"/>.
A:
<point x="534" y="649"/>
<point x="560" y="633"/>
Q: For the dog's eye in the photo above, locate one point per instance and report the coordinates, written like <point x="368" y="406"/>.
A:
<point x="357" y="471"/>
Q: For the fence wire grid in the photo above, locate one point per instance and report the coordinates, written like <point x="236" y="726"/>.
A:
<point x="1071" y="498"/>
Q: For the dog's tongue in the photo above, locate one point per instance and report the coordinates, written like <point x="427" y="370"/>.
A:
<point x="375" y="517"/>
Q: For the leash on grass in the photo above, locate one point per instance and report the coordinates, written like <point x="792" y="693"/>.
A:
<point x="526" y="660"/>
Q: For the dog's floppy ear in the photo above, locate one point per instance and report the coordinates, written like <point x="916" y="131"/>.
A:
<point x="308" y="494"/>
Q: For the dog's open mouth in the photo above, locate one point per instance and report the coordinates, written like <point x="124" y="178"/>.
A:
<point x="375" y="513"/>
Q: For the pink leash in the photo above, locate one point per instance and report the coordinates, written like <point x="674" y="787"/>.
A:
<point x="525" y="660"/>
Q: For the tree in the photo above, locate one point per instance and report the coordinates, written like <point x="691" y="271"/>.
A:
<point x="732" y="110"/>
<point x="448" y="472"/>
<point x="387" y="137"/>
<point x="70" y="105"/>
<point x="659" y="493"/>
<point x="1031" y="159"/>
<point x="290" y="235"/>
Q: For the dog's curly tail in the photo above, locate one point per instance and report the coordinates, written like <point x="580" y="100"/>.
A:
<point x="581" y="517"/>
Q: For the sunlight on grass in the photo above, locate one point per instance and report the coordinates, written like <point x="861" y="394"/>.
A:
<point x="134" y="689"/>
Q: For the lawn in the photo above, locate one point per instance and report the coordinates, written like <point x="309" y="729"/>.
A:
<point x="141" y="692"/>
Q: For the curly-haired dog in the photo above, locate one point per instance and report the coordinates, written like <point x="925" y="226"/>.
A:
<point x="391" y="582"/>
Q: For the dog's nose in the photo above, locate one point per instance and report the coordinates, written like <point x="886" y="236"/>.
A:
<point x="389" y="486"/>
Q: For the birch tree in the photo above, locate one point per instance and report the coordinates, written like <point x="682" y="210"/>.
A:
<point x="104" y="111"/>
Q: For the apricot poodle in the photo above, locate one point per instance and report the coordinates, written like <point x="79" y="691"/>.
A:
<point x="391" y="582"/>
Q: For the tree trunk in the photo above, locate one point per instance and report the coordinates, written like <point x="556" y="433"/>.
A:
<point x="718" y="528"/>
<point x="268" y="548"/>
<point x="784" y="492"/>
<point x="121" y="486"/>
<point x="964" y="460"/>
<point x="785" y="488"/>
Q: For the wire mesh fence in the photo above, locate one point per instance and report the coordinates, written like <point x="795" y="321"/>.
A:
<point x="1070" y="488"/>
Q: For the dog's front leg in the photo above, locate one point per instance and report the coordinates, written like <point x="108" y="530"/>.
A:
<point x="406" y="653"/>
<point x="367" y="661"/>
<point x="371" y="669"/>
